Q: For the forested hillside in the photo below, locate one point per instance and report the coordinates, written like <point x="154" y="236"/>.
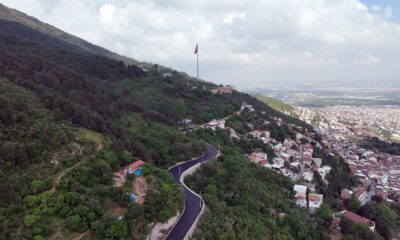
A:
<point x="70" y="119"/>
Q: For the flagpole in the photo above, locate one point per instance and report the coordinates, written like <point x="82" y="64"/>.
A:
<point x="197" y="63"/>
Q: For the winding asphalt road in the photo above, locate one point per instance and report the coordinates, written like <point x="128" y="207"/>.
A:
<point x="193" y="203"/>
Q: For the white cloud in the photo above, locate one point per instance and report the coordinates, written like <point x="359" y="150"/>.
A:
<point x="231" y="17"/>
<point x="246" y="44"/>
<point x="388" y="12"/>
<point x="376" y="8"/>
<point x="107" y="12"/>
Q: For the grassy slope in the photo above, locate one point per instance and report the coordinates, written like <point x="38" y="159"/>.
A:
<point x="275" y="104"/>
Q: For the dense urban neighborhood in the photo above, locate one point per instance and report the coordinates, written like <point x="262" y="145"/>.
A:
<point x="377" y="173"/>
<point x="374" y="120"/>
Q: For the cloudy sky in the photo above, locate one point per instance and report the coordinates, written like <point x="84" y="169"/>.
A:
<point x="249" y="44"/>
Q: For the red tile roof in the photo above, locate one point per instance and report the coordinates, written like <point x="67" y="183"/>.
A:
<point x="262" y="162"/>
<point x="357" y="219"/>
<point x="300" y="197"/>
<point x="314" y="198"/>
<point x="136" y="164"/>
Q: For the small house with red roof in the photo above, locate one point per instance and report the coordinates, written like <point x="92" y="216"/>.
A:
<point x="133" y="168"/>
<point x="315" y="201"/>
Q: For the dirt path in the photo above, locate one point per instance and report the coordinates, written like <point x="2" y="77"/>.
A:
<point x="56" y="233"/>
<point x="82" y="235"/>
<point x="58" y="178"/>
<point x="225" y="118"/>
<point x="78" y="152"/>
<point x="235" y="113"/>
<point x="139" y="188"/>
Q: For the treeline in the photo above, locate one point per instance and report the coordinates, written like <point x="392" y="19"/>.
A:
<point x="382" y="146"/>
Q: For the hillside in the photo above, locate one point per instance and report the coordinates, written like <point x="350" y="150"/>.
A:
<point x="16" y="16"/>
<point x="75" y="118"/>
<point x="71" y="116"/>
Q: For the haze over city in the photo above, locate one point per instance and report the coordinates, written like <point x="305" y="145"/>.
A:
<point x="249" y="45"/>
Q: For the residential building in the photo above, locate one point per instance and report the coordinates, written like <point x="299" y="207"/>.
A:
<point x="345" y="194"/>
<point x="214" y="124"/>
<point x="308" y="175"/>
<point x="300" y="189"/>
<point x="222" y="90"/>
<point x="258" y="156"/>
<point x="301" y="200"/>
<point x="357" y="219"/>
<point x="314" y="201"/>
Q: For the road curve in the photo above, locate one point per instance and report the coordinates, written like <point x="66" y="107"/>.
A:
<point x="193" y="203"/>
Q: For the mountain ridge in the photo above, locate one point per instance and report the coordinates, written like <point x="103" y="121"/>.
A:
<point x="10" y="14"/>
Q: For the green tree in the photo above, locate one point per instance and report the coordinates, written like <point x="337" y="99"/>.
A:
<point x="30" y="220"/>
<point x="72" y="222"/>
<point x="116" y="230"/>
<point x="386" y="221"/>
<point x="134" y="211"/>
<point x="354" y="205"/>
<point x="37" y="185"/>
<point x="347" y="226"/>
<point x="325" y="214"/>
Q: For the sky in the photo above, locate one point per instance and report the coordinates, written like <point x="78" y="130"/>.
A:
<point x="249" y="44"/>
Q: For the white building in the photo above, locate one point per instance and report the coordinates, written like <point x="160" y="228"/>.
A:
<point x="315" y="201"/>
<point x="300" y="189"/>
<point x="308" y="175"/>
<point x="301" y="200"/>
<point x="214" y="124"/>
<point x="323" y="171"/>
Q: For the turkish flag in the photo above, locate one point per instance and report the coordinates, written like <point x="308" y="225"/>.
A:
<point x="196" y="50"/>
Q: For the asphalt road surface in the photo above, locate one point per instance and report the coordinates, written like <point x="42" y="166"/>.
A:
<point x="193" y="203"/>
